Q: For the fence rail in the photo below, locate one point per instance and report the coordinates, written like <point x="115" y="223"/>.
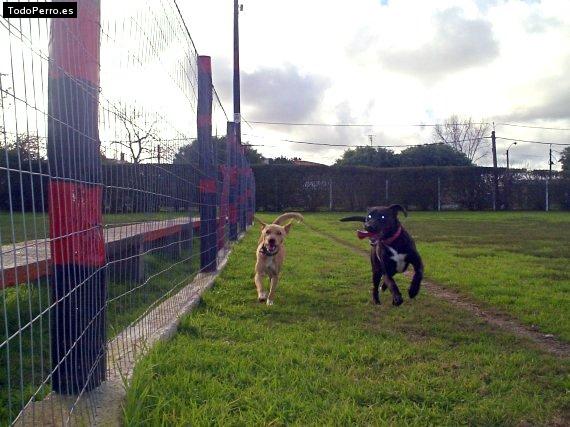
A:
<point x="114" y="195"/>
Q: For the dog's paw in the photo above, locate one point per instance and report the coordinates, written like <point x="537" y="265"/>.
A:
<point x="262" y="298"/>
<point x="397" y="300"/>
<point x="413" y="291"/>
<point x="269" y="302"/>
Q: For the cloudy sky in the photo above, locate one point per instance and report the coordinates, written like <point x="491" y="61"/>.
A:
<point x="391" y="63"/>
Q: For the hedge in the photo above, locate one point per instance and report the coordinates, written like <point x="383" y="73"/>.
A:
<point x="353" y="188"/>
<point x="151" y="188"/>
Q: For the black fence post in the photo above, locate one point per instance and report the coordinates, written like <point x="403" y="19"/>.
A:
<point x="231" y="159"/>
<point x="208" y="168"/>
<point x="78" y="341"/>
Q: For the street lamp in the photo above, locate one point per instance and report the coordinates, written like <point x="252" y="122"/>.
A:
<point x="509" y="147"/>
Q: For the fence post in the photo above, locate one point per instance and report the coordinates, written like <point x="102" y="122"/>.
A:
<point x="231" y="160"/>
<point x="78" y="341"/>
<point x="208" y="170"/>
<point x="547" y="198"/>
<point x="242" y="190"/>
<point x="252" y="197"/>
<point x="330" y="195"/>
<point x="495" y="171"/>
<point x="386" y="189"/>
<point x="438" y="193"/>
<point x="249" y="196"/>
<point x="223" y="189"/>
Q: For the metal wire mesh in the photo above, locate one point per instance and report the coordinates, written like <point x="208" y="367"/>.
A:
<point x="103" y="182"/>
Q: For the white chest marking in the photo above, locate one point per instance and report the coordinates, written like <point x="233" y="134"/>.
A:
<point x="270" y="265"/>
<point x="399" y="259"/>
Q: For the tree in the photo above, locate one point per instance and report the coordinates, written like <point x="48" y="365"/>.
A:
<point x="190" y="153"/>
<point x="464" y="135"/>
<point x="433" y="155"/>
<point x="368" y="156"/>
<point x="565" y="159"/>
<point x="139" y="135"/>
<point x="24" y="150"/>
<point x="253" y="156"/>
<point x="281" y="160"/>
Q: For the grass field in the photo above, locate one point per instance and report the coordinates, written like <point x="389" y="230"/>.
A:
<point x="323" y="355"/>
<point x="516" y="261"/>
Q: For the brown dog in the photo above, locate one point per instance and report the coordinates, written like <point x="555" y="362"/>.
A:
<point x="271" y="254"/>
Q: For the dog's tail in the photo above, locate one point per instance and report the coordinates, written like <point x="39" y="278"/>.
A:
<point x="353" y="218"/>
<point x="287" y="216"/>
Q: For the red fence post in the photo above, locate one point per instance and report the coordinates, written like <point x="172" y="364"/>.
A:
<point x="253" y="196"/>
<point x="208" y="168"/>
<point x="231" y="148"/>
<point x="242" y="190"/>
<point x="250" y="200"/>
<point x="77" y="247"/>
<point x="223" y="202"/>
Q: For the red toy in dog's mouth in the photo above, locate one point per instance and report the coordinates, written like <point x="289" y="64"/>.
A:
<point x="362" y="234"/>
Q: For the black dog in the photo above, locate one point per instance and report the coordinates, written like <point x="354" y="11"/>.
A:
<point x="393" y="250"/>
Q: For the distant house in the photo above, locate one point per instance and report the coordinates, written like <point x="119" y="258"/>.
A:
<point x="299" y="162"/>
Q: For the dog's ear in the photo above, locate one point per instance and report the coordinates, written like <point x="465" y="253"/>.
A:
<point x="353" y="218"/>
<point x="396" y="208"/>
<point x="261" y="223"/>
<point x="287" y="227"/>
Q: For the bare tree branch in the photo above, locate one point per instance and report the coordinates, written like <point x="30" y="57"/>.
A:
<point x="139" y="136"/>
<point x="464" y="135"/>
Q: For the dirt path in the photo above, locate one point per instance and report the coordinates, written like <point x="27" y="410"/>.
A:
<point x="506" y="322"/>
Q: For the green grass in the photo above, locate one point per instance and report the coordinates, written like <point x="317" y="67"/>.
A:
<point x="322" y="355"/>
<point x="516" y="262"/>
<point x="29" y="226"/>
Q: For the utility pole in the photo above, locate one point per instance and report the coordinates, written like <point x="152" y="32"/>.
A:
<point x="508" y="179"/>
<point x="508" y="149"/>
<point x="495" y="173"/>
<point x="550" y="163"/>
<point x="370" y="139"/>
<point x="237" y="95"/>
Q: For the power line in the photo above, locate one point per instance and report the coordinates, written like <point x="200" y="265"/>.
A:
<point x="406" y="145"/>
<point x="364" y="124"/>
<point x="326" y="144"/>
<point x="532" y="142"/>
<point x="530" y="127"/>
<point x="355" y="146"/>
<point x="400" y="125"/>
